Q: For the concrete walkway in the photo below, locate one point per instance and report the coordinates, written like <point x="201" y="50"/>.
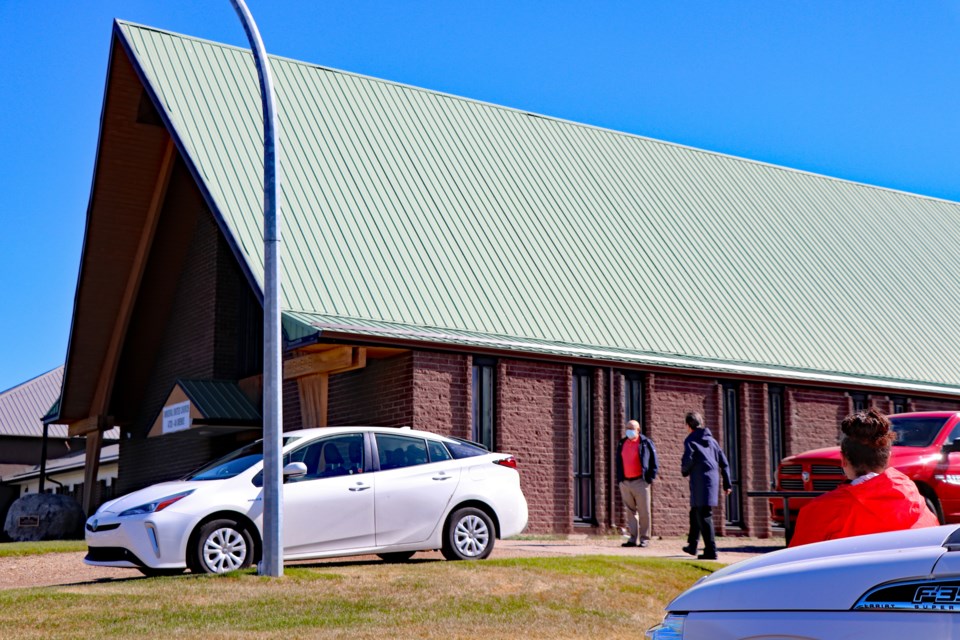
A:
<point x="729" y="549"/>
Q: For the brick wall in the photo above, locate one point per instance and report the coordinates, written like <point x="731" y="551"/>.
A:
<point x="441" y="393"/>
<point x="669" y="399"/>
<point x="812" y="418"/>
<point x="755" y="457"/>
<point x="932" y="404"/>
<point x="380" y="394"/>
<point x="533" y="423"/>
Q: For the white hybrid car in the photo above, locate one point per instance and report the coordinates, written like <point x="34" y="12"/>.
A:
<point x="347" y="491"/>
<point x="888" y="586"/>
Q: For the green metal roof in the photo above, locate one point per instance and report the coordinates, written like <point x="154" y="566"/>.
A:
<point x="220" y="401"/>
<point x="420" y="209"/>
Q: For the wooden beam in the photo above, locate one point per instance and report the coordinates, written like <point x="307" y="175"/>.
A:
<point x="314" y="391"/>
<point x="101" y="397"/>
<point x="87" y="425"/>
<point x="337" y="358"/>
<point x="91" y="470"/>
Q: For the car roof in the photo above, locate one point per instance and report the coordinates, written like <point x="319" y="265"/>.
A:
<point x="318" y="431"/>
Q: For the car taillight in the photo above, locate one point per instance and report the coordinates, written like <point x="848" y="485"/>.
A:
<point x="507" y="462"/>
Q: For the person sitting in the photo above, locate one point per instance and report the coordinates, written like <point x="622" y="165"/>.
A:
<point x="877" y="498"/>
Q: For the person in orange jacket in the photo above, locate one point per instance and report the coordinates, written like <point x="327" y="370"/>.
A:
<point x="877" y="498"/>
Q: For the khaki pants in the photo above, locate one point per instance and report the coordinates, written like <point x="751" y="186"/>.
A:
<point x="636" y="499"/>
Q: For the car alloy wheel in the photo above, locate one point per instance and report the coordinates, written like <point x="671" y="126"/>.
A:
<point x="222" y="546"/>
<point x="469" y="535"/>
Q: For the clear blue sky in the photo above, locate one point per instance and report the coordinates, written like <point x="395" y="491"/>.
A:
<point x="862" y="91"/>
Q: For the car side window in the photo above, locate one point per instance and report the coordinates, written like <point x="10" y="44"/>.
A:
<point x="330" y="457"/>
<point x="954" y="433"/>
<point x="401" y="451"/>
<point x="438" y="452"/>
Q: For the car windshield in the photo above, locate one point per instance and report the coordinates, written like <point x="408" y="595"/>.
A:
<point x="916" y="432"/>
<point x="234" y="463"/>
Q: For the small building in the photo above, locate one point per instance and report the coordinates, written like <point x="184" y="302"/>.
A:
<point x="487" y="273"/>
<point x="35" y="456"/>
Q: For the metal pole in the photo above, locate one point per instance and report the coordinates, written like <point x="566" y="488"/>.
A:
<point x="272" y="563"/>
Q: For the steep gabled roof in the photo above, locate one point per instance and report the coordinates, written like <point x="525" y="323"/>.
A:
<point x="23" y="407"/>
<point x="405" y="207"/>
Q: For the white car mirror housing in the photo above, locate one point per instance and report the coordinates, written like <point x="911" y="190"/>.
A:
<point x="294" y="470"/>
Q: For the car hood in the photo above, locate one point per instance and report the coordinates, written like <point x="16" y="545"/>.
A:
<point x="151" y="493"/>
<point x="826" y="576"/>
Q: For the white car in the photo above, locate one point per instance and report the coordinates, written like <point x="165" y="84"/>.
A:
<point x="347" y="491"/>
<point x="904" y="584"/>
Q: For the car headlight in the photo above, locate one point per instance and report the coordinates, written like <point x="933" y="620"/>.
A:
<point x="670" y="629"/>
<point x="156" y="505"/>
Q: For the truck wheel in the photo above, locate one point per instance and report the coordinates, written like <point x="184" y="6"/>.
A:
<point x="934" y="509"/>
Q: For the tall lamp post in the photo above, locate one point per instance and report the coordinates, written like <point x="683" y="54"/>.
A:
<point x="272" y="563"/>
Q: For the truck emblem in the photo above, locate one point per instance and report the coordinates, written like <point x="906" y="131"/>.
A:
<point x="806" y="477"/>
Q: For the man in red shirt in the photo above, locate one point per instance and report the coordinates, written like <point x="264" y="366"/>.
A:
<point x="636" y="471"/>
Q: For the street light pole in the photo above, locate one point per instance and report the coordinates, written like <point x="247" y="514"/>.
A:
<point x="272" y="563"/>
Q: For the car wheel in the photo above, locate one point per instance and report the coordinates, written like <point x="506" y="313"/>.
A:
<point x="156" y="573"/>
<point x="399" y="556"/>
<point x="222" y="546"/>
<point x="469" y="535"/>
<point x="932" y="505"/>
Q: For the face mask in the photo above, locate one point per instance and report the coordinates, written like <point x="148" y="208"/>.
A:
<point x="631" y="434"/>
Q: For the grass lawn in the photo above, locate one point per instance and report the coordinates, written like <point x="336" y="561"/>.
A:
<point x="555" y="597"/>
<point x="11" y="549"/>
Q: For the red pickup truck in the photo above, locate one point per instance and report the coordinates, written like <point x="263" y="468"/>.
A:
<point x="927" y="450"/>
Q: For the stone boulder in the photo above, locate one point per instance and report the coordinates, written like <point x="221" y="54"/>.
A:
<point x="44" y="516"/>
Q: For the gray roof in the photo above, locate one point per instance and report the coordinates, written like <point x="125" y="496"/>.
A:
<point x="409" y="208"/>
<point x="77" y="460"/>
<point x="23" y="407"/>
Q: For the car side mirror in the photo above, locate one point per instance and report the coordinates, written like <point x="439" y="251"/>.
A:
<point x="950" y="447"/>
<point x="294" y="470"/>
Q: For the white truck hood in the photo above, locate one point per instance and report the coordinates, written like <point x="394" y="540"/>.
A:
<point x="826" y="576"/>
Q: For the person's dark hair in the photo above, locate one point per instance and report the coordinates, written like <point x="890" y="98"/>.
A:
<point x="694" y="420"/>
<point x="867" y="439"/>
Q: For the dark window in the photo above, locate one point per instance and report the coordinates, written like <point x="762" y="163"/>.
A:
<point x="438" y="452"/>
<point x="633" y="397"/>
<point x="731" y="446"/>
<point x="917" y="432"/>
<point x="582" y="437"/>
<point x="329" y="457"/>
<point x="859" y="401"/>
<point x="777" y="433"/>
<point x="899" y="404"/>
<point x="401" y="451"/>
<point x="460" y="449"/>
<point x="484" y="382"/>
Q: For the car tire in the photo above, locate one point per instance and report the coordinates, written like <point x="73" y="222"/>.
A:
<point x="469" y="535"/>
<point x="398" y="556"/>
<point x="221" y="546"/>
<point x="932" y="505"/>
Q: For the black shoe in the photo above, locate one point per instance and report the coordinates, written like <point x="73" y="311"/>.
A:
<point x="690" y="550"/>
<point x="707" y="556"/>
<point x="629" y="543"/>
<point x="644" y="543"/>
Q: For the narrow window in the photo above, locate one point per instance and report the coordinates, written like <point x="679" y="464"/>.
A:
<point x="899" y="404"/>
<point x="731" y="447"/>
<point x="633" y="397"/>
<point x="859" y="401"/>
<point x="484" y="381"/>
<point x="582" y="437"/>
<point x="777" y="433"/>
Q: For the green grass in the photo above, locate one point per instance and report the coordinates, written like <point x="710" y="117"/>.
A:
<point x="11" y="549"/>
<point x="555" y="597"/>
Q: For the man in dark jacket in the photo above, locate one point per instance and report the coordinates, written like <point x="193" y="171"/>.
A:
<point x="636" y="470"/>
<point x="704" y="463"/>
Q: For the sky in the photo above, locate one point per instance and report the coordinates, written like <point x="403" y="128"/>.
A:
<point x="861" y="91"/>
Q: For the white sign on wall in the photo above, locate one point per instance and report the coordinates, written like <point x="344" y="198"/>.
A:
<point x="176" y="417"/>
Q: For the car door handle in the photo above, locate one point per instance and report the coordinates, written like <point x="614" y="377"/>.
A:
<point x="442" y="477"/>
<point x="360" y="487"/>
